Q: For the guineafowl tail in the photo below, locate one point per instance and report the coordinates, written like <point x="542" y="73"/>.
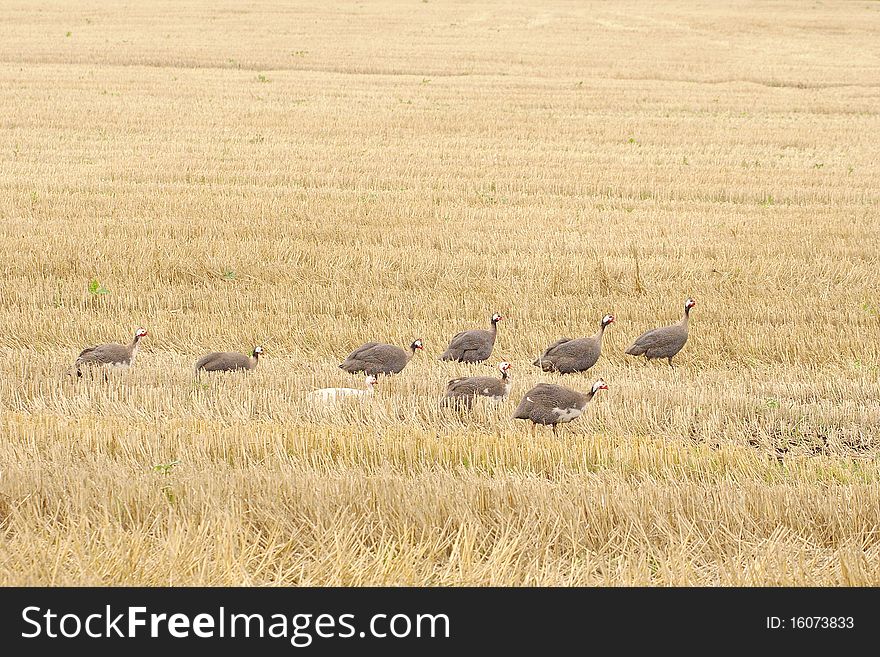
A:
<point x="545" y="365"/>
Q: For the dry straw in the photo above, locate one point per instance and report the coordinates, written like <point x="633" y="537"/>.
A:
<point x="308" y="181"/>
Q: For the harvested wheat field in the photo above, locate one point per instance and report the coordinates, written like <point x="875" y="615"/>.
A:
<point x="309" y="178"/>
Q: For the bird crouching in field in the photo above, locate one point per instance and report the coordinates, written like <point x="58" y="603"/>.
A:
<point x="333" y="395"/>
<point x="228" y="361"/>
<point x="109" y="355"/>
<point x="566" y="355"/>
<point x="472" y="346"/>
<point x="551" y="404"/>
<point x="461" y="392"/>
<point x="664" y="342"/>
<point x="377" y="358"/>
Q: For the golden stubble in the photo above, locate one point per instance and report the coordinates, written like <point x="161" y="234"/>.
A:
<point x="310" y="180"/>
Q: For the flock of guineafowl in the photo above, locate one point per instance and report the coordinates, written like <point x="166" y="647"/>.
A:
<point x="545" y="403"/>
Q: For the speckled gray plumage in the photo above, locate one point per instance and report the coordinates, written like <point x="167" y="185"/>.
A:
<point x="226" y="361"/>
<point x="377" y="358"/>
<point x="472" y="346"/>
<point x="664" y="342"/>
<point x="566" y="355"/>
<point x="540" y="403"/>
<point x="464" y="390"/>
<point x="108" y="354"/>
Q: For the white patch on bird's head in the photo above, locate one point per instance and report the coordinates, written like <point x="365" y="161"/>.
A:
<point x="600" y="385"/>
<point x="141" y="332"/>
<point x="496" y="318"/>
<point x="417" y="344"/>
<point x="608" y="319"/>
<point x="371" y="380"/>
<point x="504" y="366"/>
<point x="690" y="303"/>
<point x="258" y="351"/>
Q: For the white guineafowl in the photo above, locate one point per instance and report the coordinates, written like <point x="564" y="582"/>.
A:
<point x="333" y="395"/>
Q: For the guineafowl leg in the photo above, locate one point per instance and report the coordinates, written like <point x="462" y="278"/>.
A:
<point x="669" y="360"/>
<point x="554" y="429"/>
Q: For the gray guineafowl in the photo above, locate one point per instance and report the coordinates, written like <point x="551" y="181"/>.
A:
<point x="109" y="354"/>
<point x="551" y="404"/>
<point x="463" y="391"/>
<point x="228" y="361"/>
<point x="472" y="346"/>
<point x="566" y="355"/>
<point x="663" y="342"/>
<point x="377" y="358"/>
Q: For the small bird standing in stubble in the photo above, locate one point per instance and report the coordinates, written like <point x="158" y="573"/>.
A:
<point x="110" y="354"/>
<point x="566" y="355"/>
<point x="228" y="361"/>
<point x="377" y="358"/>
<point x="463" y="391"/>
<point x="664" y="342"/>
<point x="472" y="346"/>
<point x="548" y="403"/>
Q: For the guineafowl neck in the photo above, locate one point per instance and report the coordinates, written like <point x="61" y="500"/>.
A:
<point x="601" y="332"/>
<point x="133" y="348"/>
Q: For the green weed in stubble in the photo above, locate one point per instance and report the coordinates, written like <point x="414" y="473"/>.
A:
<point x="96" y="289"/>
<point x="165" y="470"/>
